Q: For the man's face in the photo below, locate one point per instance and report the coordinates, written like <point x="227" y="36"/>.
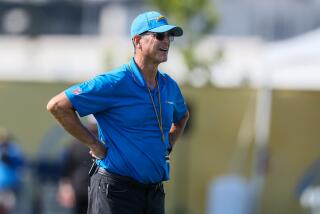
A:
<point x="155" y="46"/>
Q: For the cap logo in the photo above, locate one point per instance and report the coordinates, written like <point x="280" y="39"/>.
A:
<point x="161" y="17"/>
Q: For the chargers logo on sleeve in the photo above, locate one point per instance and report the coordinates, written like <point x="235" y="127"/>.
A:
<point x="77" y="91"/>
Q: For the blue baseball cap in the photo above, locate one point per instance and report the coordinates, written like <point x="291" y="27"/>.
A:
<point x="154" y="22"/>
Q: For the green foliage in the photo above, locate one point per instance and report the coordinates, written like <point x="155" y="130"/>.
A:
<point x="185" y="12"/>
<point x="197" y="18"/>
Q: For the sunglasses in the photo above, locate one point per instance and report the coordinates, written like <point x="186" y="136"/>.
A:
<point x="159" y="36"/>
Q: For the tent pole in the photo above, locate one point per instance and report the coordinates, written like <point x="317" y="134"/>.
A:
<point x="260" y="163"/>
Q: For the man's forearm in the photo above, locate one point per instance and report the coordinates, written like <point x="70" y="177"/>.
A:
<point x="64" y="113"/>
<point x="177" y="129"/>
<point x="72" y="124"/>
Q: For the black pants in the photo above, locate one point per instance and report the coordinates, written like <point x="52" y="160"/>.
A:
<point x="115" y="194"/>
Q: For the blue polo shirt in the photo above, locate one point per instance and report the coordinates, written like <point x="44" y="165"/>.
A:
<point x="127" y="124"/>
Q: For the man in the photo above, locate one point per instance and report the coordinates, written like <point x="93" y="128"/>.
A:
<point x="140" y="114"/>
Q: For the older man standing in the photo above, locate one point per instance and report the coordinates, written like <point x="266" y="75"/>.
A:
<point x="140" y="113"/>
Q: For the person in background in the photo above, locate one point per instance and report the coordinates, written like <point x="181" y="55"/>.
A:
<point x="11" y="163"/>
<point x="74" y="181"/>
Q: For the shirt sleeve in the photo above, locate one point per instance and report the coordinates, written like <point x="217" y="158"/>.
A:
<point x="92" y="96"/>
<point x="180" y="107"/>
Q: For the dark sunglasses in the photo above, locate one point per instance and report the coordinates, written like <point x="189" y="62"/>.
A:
<point x="159" y="36"/>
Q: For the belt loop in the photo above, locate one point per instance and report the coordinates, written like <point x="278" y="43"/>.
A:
<point x="158" y="187"/>
<point x="93" y="169"/>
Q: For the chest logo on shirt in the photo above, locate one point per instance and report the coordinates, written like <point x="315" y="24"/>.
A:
<point x="170" y="102"/>
<point x="77" y="91"/>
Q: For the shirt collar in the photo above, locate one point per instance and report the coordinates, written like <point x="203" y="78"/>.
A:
<point x="137" y="76"/>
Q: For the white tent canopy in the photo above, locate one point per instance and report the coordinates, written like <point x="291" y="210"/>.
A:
<point x="295" y="62"/>
<point x="287" y="64"/>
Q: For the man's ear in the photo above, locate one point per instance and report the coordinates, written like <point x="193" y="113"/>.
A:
<point x="136" y="41"/>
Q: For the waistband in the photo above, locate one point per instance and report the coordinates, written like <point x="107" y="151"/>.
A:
<point x="124" y="180"/>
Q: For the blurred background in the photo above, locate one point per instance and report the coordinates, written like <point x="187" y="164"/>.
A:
<point x="249" y="71"/>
